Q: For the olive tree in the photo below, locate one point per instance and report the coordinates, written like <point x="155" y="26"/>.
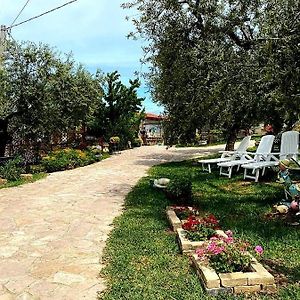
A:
<point x="43" y="92"/>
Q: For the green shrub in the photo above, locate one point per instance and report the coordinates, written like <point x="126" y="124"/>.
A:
<point x="114" y="140"/>
<point x="67" y="159"/>
<point x="36" y="169"/>
<point x="137" y="142"/>
<point x="11" y="170"/>
<point x="179" y="190"/>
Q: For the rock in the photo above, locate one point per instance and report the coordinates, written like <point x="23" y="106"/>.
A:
<point x="3" y="181"/>
<point x="282" y="209"/>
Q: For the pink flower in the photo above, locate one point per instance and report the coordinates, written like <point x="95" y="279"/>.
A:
<point x="259" y="250"/>
<point x="218" y="250"/>
<point x="211" y="247"/>
<point x="229" y="240"/>
<point x="200" y="252"/>
<point x="229" y="233"/>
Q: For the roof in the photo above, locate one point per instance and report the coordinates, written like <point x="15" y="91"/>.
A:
<point x="150" y="116"/>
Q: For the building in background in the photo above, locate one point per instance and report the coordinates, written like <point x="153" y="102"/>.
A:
<point x="152" y="128"/>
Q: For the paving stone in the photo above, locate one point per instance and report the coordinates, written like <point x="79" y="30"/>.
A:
<point x="44" y="289"/>
<point x="26" y="296"/>
<point x="5" y="293"/>
<point x="7" y="296"/>
<point x="20" y="284"/>
<point x="67" y="278"/>
<point x="8" y="251"/>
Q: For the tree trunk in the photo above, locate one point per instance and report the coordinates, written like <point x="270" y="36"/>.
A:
<point x="231" y="138"/>
<point x="4" y="137"/>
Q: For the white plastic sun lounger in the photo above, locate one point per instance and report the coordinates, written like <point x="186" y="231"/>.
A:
<point x="226" y="155"/>
<point x="289" y="148"/>
<point x="262" y="154"/>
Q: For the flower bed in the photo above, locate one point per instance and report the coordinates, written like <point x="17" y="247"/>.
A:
<point x="256" y="280"/>
<point x="225" y="264"/>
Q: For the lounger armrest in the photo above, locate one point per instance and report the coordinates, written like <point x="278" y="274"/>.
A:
<point x="288" y="153"/>
<point x="226" y="151"/>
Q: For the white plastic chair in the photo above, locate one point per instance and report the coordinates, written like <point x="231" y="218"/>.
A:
<point x="289" y="148"/>
<point x="227" y="155"/>
<point x="262" y="154"/>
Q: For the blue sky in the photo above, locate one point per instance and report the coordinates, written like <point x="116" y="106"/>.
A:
<point x="94" y="31"/>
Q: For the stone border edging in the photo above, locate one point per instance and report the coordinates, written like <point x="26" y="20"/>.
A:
<point x="237" y="282"/>
<point x="189" y="247"/>
<point x="173" y="219"/>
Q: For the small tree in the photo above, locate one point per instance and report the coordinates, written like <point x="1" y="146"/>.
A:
<point x="119" y="116"/>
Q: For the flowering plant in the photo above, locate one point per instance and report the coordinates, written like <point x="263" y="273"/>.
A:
<point x="227" y="254"/>
<point x="114" y="140"/>
<point x="197" y="229"/>
<point x="183" y="212"/>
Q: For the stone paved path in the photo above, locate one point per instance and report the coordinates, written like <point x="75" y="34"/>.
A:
<point x="53" y="231"/>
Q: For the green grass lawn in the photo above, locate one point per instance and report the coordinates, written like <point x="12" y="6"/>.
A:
<point x="142" y="256"/>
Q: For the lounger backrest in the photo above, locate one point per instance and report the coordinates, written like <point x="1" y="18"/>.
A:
<point x="289" y="144"/>
<point x="265" y="145"/>
<point x="244" y="144"/>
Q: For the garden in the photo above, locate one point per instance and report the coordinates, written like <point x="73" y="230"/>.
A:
<point x="144" y="258"/>
<point x="15" y="171"/>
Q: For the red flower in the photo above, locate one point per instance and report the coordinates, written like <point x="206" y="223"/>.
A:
<point x="191" y="223"/>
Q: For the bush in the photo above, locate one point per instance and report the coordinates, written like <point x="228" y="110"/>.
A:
<point x="137" y="142"/>
<point x="114" y="140"/>
<point x="67" y="159"/>
<point x="11" y="170"/>
<point x="179" y="190"/>
<point x="35" y="169"/>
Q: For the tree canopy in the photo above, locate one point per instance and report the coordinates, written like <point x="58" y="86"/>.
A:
<point x="213" y="63"/>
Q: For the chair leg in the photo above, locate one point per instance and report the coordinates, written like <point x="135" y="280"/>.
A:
<point x="229" y="172"/>
<point x="209" y="169"/>
<point x="263" y="171"/>
<point x="257" y="175"/>
<point x="245" y="173"/>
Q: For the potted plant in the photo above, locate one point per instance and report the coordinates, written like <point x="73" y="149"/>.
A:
<point x="113" y="143"/>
